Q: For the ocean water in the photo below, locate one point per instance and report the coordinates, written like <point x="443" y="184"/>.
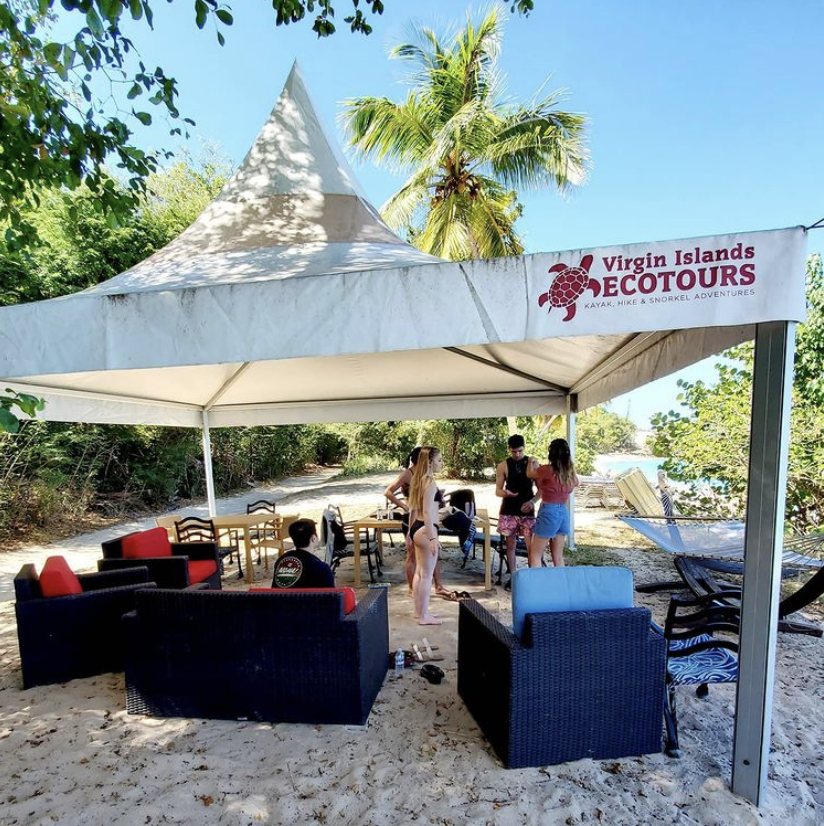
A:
<point x="649" y="465"/>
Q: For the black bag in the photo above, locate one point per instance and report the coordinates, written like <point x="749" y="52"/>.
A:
<point x="464" y="501"/>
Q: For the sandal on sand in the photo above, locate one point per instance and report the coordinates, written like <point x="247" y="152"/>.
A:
<point x="449" y="596"/>
<point x="427" y="655"/>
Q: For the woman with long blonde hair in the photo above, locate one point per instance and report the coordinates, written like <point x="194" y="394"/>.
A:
<point x="555" y="480"/>
<point x="423" y="530"/>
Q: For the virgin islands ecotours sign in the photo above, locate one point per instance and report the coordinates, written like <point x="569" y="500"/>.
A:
<point x="717" y="280"/>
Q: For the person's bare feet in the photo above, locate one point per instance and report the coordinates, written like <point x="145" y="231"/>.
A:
<point x="441" y="591"/>
<point x="430" y="619"/>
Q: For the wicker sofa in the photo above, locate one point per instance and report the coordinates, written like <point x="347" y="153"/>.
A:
<point x="279" y="656"/>
<point x="178" y="565"/>
<point x="577" y="684"/>
<point x="79" y="635"/>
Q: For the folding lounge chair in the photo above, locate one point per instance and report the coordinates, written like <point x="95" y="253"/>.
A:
<point x="638" y="493"/>
<point x="702" y="583"/>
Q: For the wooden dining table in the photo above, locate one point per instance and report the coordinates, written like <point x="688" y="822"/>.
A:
<point x="240" y="522"/>
<point x="381" y="525"/>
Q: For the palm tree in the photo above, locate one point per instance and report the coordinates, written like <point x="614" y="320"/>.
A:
<point x="465" y="149"/>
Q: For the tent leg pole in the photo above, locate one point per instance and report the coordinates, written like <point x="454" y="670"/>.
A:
<point x="207" y="464"/>
<point x="766" y="492"/>
<point x="572" y="404"/>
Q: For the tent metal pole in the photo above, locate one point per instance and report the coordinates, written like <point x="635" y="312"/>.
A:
<point x="766" y="493"/>
<point x="207" y="463"/>
<point x="571" y="436"/>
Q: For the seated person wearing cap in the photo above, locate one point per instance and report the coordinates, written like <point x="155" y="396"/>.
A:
<point x="301" y="568"/>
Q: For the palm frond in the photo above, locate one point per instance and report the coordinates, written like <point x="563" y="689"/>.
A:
<point x="399" y="211"/>
<point x="426" y="51"/>
<point x="539" y="146"/>
<point x="445" y="231"/>
<point x="492" y="224"/>
<point x="397" y="132"/>
<point x="475" y="53"/>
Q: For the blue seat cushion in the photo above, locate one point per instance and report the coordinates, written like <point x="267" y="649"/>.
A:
<point x="585" y="588"/>
<point x="715" y="665"/>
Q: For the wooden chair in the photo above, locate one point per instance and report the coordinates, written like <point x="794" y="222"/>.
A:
<point x="195" y="529"/>
<point x="281" y="541"/>
<point x="263" y="537"/>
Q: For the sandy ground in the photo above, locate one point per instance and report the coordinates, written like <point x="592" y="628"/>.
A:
<point x="70" y="754"/>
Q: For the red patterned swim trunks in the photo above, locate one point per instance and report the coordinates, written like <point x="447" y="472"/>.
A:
<point x="514" y="525"/>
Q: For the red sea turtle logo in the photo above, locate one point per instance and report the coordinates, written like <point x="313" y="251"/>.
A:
<point x="568" y="286"/>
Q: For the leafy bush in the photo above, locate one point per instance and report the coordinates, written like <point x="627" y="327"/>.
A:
<point x="708" y="442"/>
<point x="366" y="464"/>
<point x="469" y="446"/>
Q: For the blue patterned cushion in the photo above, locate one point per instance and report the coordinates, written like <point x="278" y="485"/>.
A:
<point x="715" y="665"/>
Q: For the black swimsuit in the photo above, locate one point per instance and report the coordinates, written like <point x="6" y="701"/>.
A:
<point x="416" y="526"/>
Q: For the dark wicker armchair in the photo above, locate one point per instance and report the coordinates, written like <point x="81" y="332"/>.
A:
<point x="280" y="657"/>
<point x="579" y="684"/>
<point x="63" y="638"/>
<point x="185" y="566"/>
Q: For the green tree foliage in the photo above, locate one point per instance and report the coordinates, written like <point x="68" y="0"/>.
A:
<point x="469" y="446"/>
<point x="464" y="145"/>
<point x="708" y="441"/>
<point x="83" y="249"/>
<point x="376" y="445"/>
<point x="52" y="474"/>
<point x="598" y="430"/>
<point x="603" y="431"/>
<point x="291" y="11"/>
<point x="56" y="134"/>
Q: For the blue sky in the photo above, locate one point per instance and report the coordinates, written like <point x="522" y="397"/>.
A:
<point x="705" y="117"/>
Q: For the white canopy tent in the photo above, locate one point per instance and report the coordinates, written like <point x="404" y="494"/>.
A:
<point x="289" y="300"/>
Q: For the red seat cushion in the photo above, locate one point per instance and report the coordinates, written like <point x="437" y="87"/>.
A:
<point x="201" y="570"/>
<point x="154" y="542"/>
<point x="349" y="599"/>
<point x="57" y="579"/>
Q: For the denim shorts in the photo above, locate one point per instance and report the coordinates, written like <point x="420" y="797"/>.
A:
<point x="552" y="520"/>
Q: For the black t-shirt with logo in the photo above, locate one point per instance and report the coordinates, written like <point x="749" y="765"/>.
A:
<point x="302" y="569"/>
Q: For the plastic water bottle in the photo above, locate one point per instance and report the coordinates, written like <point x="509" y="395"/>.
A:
<point x="399" y="663"/>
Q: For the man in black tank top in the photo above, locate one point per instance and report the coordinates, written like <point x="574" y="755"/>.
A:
<point x="517" y="492"/>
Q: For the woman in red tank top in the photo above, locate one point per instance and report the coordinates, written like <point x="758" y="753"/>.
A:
<point x="555" y="482"/>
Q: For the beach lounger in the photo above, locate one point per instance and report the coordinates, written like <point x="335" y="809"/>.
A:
<point x="639" y="494"/>
<point x="599" y="493"/>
